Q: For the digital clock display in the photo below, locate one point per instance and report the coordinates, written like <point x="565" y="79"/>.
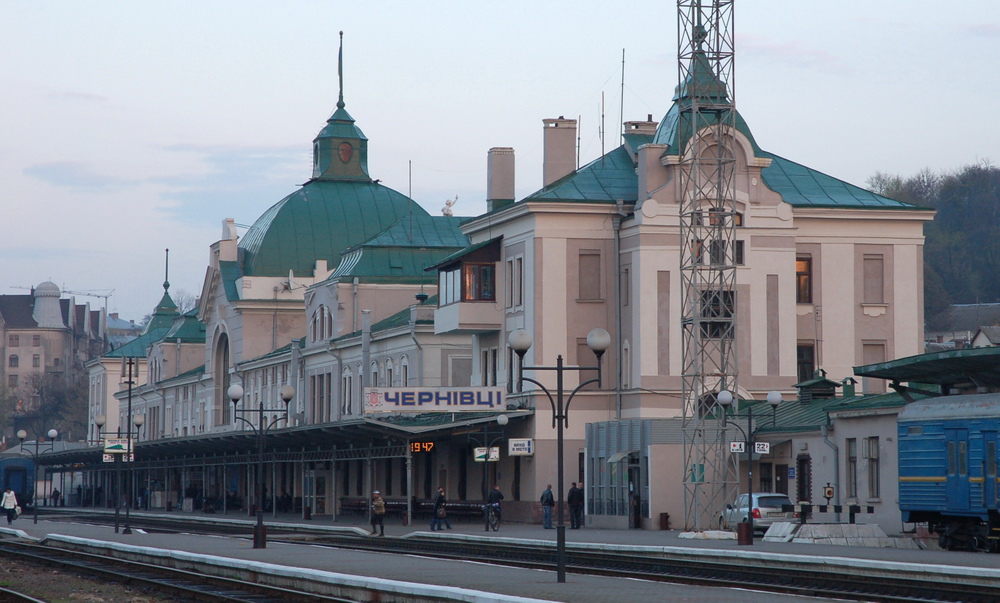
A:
<point x="421" y="446"/>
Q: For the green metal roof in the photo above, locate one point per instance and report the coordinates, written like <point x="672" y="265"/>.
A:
<point x="801" y="186"/>
<point x="187" y="328"/>
<point x="320" y="221"/>
<point x="454" y="257"/>
<point x="634" y="141"/>
<point x="229" y="272"/>
<point x="887" y="400"/>
<point x="195" y="372"/>
<point x="604" y="180"/>
<point x="977" y="366"/>
<point x="422" y="231"/>
<point x="401" y="253"/>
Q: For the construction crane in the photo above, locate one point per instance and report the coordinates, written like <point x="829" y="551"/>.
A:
<point x="94" y="293"/>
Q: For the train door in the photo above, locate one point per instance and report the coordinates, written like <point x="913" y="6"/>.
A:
<point x="990" y="469"/>
<point x="957" y="478"/>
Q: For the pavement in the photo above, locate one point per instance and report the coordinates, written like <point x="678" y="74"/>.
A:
<point x="472" y="580"/>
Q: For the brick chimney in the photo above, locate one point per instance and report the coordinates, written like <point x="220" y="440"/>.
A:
<point x="560" y="149"/>
<point x="499" y="178"/>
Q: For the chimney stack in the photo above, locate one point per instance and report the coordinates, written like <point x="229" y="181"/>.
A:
<point x="560" y="149"/>
<point x="499" y="178"/>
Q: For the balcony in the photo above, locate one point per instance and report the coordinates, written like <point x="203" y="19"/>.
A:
<point x="468" y="317"/>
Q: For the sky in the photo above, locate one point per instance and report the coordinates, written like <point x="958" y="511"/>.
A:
<point x="129" y="127"/>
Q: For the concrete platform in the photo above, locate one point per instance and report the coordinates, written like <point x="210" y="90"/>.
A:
<point x="476" y="581"/>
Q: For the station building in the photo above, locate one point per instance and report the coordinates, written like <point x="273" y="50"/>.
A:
<point x="346" y="287"/>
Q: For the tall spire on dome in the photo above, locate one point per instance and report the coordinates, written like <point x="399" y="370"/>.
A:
<point x="340" y="71"/>
<point x="166" y="305"/>
<point x="166" y="272"/>
<point x="340" y="150"/>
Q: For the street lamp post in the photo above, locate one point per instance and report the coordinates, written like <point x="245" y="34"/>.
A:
<point x="100" y="421"/>
<point x="21" y="434"/>
<point x="598" y="340"/>
<point x="137" y="420"/>
<point x="235" y="393"/>
<point x="725" y="399"/>
<point x="502" y="421"/>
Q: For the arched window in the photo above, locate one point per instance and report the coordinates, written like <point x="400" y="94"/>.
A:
<point x="220" y="372"/>
<point x="346" y="382"/>
<point x="388" y="372"/>
<point x="329" y="323"/>
<point x="626" y="366"/>
<point x="404" y="372"/>
<point x="374" y="381"/>
<point x="12" y="362"/>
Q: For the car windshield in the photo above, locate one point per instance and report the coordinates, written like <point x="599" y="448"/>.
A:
<point x="773" y="501"/>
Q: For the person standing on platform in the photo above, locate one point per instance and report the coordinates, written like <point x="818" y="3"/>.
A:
<point x="378" y="513"/>
<point x="440" y="512"/>
<point x="574" y="498"/>
<point x="548" y="501"/>
<point x="9" y="504"/>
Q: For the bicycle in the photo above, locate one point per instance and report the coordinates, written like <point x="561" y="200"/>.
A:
<point x="491" y="515"/>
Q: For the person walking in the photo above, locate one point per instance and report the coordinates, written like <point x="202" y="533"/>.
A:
<point x="574" y="499"/>
<point x="378" y="513"/>
<point x="494" y="498"/>
<point x="440" y="512"/>
<point x="548" y="501"/>
<point x="9" y="504"/>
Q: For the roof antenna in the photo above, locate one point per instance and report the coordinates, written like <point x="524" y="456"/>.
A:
<point x="166" y="272"/>
<point x="340" y="71"/>
<point x="621" y="105"/>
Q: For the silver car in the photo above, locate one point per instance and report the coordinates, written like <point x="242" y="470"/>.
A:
<point x="766" y="510"/>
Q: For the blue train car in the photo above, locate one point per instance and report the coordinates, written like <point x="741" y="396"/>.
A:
<point x="948" y="469"/>
<point x="18" y="474"/>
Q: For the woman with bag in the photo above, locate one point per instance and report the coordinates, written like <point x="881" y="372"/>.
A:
<point x="440" y="512"/>
<point x="9" y="504"/>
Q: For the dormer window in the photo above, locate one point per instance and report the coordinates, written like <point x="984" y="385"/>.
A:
<point x="470" y="275"/>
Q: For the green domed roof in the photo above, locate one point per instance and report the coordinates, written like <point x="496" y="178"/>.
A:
<point x="318" y="222"/>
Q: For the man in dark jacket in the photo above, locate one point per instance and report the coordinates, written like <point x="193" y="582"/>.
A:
<point x="575" y="501"/>
<point x="548" y="502"/>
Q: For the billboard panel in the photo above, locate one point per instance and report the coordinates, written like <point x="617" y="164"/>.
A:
<point x="434" y="399"/>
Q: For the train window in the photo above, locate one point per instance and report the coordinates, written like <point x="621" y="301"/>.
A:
<point x="951" y="458"/>
<point x="963" y="459"/>
<point x="991" y="459"/>
<point x="915" y="430"/>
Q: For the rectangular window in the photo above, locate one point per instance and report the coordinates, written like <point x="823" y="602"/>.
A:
<point x="697" y="251"/>
<point x="738" y="257"/>
<point x="493" y="366"/>
<point x="872" y="457"/>
<point x="12" y="380"/>
<point x="852" y="468"/>
<point x="509" y="293"/>
<point x="479" y="282"/>
<point x="803" y="280"/>
<point x="36" y="340"/>
<point x="717" y="311"/>
<point x="589" y="274"/>
<point x="717" y="252"/>
<point x="13" y="340"/>
<point x="874" y="291"/>
<point x="873" y="353"/>
<point x="484" y="370"/>
<point x="36" y="361"/>
<point x="518" y="282"/>
<point x="806" y="361"/>
<point x="626" y="283"/>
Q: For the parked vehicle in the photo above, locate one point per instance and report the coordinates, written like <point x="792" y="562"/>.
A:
<point x="948" y="478"/>
<point x="766" y="509"/>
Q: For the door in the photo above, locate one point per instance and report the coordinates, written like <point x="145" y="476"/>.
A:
<point x="957" y="474"/>
<point x="781" y="479"/>
<point x="990" y="469"/>
<point x="634" y="497"/>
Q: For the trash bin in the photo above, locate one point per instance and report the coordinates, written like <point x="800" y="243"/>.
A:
<point x="664" y="521"/>
<point x="744" y="533"/>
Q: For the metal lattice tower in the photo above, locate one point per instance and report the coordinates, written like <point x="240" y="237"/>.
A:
<point x="707" y="122"/>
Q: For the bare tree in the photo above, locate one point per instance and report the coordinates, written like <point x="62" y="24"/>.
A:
<point x="47" y="401"/>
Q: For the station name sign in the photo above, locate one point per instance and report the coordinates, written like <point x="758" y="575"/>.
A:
<point x="434" y="399"/>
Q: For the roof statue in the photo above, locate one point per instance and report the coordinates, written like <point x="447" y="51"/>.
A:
<point x="448" y="204"/>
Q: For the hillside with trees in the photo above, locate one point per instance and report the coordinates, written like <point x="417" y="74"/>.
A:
<point x="962" y="251"/>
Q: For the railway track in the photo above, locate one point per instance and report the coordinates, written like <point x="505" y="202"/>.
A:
<point x="175" y="583"/>
<point x="786" y="574"/>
